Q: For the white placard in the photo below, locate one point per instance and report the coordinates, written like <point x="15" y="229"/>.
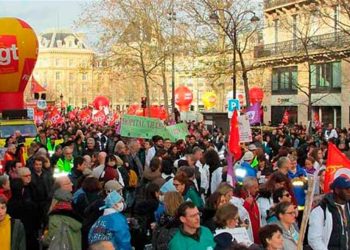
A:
<point x="245" y="133"/>
<point x="239" y="234"/>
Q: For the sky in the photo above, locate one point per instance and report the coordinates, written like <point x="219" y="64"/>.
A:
<point x="44" y="14"/>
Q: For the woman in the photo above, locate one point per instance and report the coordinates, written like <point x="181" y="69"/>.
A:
<point x="286" y="214"/>
<point x="317" y="154"/>
<point x="309" y="165"/>
<point x="214" y="201"/>
<point x="168" y="224"/>
<point x="61" y="214"/>
<point x="226" y="219"/>
<point x="186" y="188"/>
<point x="280" y="195"/>
<point x="278" y="180"/>
<point x="11" y="230"/>
<point x="271" y="237"/>
<point x="153" y="172"/>
<point x="112" y="226"/>
<point x="212" y="159"/>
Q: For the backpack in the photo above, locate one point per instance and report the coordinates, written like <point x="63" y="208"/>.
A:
<point x="133" y="179"/>
<point x="60" y="240"/>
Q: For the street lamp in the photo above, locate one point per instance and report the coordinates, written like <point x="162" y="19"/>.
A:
<point x="172" y="18"/>
<point x="231" y="32"/>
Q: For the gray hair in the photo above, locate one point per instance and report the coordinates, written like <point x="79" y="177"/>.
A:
<point x="4" y="179"/>
<point x="249" y="181"/>
<point x="282" y="161"/>
<point x="23" y="171"/>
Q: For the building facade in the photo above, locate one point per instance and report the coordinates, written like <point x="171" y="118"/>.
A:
<point x="306" y="60"/>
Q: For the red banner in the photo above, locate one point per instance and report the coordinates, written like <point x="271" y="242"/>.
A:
<point x="55" y="117"/>
<point x="85" y="115"/>
<point x="337" y="164"/>
<point x="99" y="118"/>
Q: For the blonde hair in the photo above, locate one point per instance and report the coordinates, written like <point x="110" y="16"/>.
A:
<point x="172" y="200"/>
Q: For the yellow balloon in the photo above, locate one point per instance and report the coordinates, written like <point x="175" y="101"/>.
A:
<point x="209" y="99"/>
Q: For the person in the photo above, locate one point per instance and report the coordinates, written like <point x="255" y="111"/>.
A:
<point x="61" y="214"/>
<point x="10" y="154"/>
<point x="5" y="186"/>
<point x="184" y="186"/>
<point x="112" y="226"/>
<point x="271" y="237"/>
<point x="11" y="230"/>
<point x="280" y="195"/>
<point x="251" y="188"/>
<point x="286" y="214"/>
<point x="283" y="165"/>
<point x="243" y="167"/>
<point x="227" y="218"/>
<point x="330" y="133"/>
<point x="168" y="224"/>
<point x="191" y="235"/>
<point x="76" y="175"/>
<point x="157" y="144"/>
<point x="329" y="221"/>
<point x="65" y="164"/>
<point x="63" y="182"/>
<point x="214" y="201"/>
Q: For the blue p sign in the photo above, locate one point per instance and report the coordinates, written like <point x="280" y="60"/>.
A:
<point x="233" y="104"/>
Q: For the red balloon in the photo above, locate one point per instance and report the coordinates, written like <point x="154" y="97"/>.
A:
<point x="100" y="101"/>
<point x="183" y="97"/>
<point x="256" y="94"/>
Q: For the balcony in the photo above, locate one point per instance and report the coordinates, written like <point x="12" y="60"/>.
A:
<point x="326" y="43"/>
<point x="273" y="4"/>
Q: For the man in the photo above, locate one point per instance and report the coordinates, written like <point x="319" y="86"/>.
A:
<point x="64" y="183"/>
<point x="251" y="188"/>
<point x="10" y="154"/>
<point x="97" y="171"/>
<point x="297" y="175"/>
<point x="134" y="159"/>
<point x="157" y="143"/>
<point x="167" y="144"/>
<point x="28" y="190"/>
<point x="57" y="155"/>
<point x="330" y="133"/>
<point x="76" y="173"/>
<point x="283" y="165"/>
<point x="329" y="224"/>
<point x="203" y="170"/>
<point x="90" y="147"/>
<point x="46" y="141"/>
<point x="191" y="235"/>
<point x="65" y="164"/>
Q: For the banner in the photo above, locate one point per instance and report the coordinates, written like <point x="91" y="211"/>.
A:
<point x="99" y="118"/>
<point x="337" y="164"/>
<point x="55" y="117"/>
<point x="253" y="113"/>
<point x="144" y="127"/>
<point x="141" y="127"/>
<point x="245" y="133"/>
<point x="177" y="131"/>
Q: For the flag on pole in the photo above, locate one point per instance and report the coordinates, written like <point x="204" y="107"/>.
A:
<point x="337" y="165"/>
<point x="254" y="114"/>
<point x="233" y="141"/>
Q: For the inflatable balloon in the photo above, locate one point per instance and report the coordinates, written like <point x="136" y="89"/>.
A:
<point x="18" y="55"/>
<point x="100" y="102"/>
<point x="183" y="98"/>
<point x="256" y="94"/>
<point x="209" y="100"/>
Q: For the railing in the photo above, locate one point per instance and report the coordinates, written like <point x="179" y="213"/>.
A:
<point x="268" y="4"/>
<point x="327" y="42"/>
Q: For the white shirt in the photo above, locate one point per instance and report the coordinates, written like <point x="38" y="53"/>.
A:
<point x="149" y="156"/>
<point x="204" y="171"/>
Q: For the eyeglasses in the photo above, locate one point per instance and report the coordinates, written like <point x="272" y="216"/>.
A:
<point x="291" y="213"/>
<point x="194" y="215"/>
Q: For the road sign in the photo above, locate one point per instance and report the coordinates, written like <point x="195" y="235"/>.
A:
<point x="233" y="104"/>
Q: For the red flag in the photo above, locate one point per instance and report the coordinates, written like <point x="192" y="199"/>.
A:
<point x="85" y="115"/>
<point x="317" y="122"/>
<point x="285" y="119"/>
<point x="55" y="117"/>
<point x="337" y="164"/>
<point x="233" y="141"/>
<point x="99" y="118"/>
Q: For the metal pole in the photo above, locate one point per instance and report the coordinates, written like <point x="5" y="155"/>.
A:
<point x="234" y="59"/>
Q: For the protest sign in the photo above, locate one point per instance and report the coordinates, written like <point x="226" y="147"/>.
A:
<point x="245" y="133"/>
<point x="177" y="131"/>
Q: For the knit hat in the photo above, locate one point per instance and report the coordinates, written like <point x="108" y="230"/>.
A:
<point x="342" y="182"/>
<point x="113" y="185"/>
<point x="112" y="199"/>
<point x="62" y="195"/>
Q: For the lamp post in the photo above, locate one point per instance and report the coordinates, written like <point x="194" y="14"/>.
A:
<point x="172" y="18"/>
<point x="61" y="99"/>
<point x="230" y="30"/>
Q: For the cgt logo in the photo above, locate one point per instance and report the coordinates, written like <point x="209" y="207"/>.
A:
<point x="9" y="55"/>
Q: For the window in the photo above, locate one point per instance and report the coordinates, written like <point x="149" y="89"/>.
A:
<point x="58" y="76"/>
<point x="276" y="23"/>
<point x="326" y="77"/>
<point x="57" y="62"/>
<point x="84" y="76"/>
<point x="284" y="80"/>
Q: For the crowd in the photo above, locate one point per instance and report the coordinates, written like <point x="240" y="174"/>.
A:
<point x="97" y="190"/>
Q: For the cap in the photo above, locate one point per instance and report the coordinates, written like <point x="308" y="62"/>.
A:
<point x="113" y="185"/>
<point x="341" y="182"/>
<point x="252" y="147"/>
<point x="112" y="199"/>
<point x="248" y="156"/>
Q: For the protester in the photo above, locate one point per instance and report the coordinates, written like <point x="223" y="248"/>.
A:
<point x="329" y="221"/>
<point x="191" y="235"/>
<point x="11" y="230"/>
<point x="271" y="237"/>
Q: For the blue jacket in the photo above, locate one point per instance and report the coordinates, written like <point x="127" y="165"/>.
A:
<point x="112" y="227"/>
<point x="245" y="168"/>
<point x="299" y="173"/>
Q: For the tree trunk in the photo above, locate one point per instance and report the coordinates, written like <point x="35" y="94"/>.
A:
<point x="245" y="78"/>
<point x="145" y="80"/>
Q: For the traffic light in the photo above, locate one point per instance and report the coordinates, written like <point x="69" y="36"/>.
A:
<point x="143" y="102"/>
